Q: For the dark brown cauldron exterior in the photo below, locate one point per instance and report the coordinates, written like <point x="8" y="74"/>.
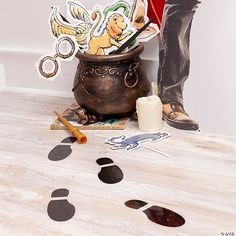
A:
<point x="110" y="85"/>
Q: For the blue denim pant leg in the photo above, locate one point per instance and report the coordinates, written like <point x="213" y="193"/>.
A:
<point x="174" y="55"/>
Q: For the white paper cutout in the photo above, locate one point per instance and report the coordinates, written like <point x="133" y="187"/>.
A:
<point x="64" y="48"/>
<point x="99" y="31"/>
<point x="79" y="30"/>
<point x="133" y="142"/>
<point x="115" y="30"/>
<point x="139" y="18"/>
<point x="89" y="23"/>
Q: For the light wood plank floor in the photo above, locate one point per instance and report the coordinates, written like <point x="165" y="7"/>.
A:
<point x="197" y="179"/>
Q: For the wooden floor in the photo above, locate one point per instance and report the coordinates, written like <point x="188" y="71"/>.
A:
<point x="197" y="178"/>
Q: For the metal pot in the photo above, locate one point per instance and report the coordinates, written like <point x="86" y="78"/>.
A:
<point x="110" y="85"/>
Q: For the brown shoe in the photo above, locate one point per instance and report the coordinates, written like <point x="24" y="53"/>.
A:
<point x="175" y="116"/>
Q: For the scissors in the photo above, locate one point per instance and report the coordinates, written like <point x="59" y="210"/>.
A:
<point x="53" y="59"/>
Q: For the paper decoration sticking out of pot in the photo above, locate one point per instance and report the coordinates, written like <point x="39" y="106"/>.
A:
<point x="116" y="31"/>
<point x="60" y="25"/>
<point x="103" y="27"/>
<point x="138" y="17"/>
<point x="98" y="31"/>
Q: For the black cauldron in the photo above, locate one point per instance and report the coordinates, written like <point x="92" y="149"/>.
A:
<point x="110" y="85"/>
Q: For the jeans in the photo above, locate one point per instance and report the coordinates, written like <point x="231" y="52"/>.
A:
<point x="174" y="55"/>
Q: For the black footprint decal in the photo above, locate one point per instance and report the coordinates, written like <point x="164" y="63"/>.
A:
<point x="60" y="209"/>
<point x="109" y="174"/>
<point x="62" y="150"/>
<point x="158" y="215"/>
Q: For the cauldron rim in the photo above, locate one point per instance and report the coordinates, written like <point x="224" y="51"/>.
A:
<point x="104" y="58"/>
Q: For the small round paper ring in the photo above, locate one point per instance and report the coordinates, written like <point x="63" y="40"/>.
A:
<point x="72" y="44"/>
<point x="48" y="74"/>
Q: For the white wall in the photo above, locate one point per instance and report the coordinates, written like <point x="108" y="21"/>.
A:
<point x="2" y="76"/>
<point x="24" y="24"/>
<point x="25" y="36"/>
<point x="21" y="47"/>
<point x="209" y="92"/>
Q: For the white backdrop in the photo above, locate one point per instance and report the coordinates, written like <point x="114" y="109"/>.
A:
<point x="209" y="92"/>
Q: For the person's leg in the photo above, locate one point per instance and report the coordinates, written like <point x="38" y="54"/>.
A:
<point x="175" y="60"/>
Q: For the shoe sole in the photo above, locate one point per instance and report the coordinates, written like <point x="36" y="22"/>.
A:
<point x="178" y="125"/>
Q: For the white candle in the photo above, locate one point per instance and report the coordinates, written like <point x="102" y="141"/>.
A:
<point x="149" y="111"/>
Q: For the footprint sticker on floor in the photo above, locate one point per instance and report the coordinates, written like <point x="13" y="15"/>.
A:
<point x="59" y="209"/>
<point x="110" y="173"/>
<point x="63" y="150"/>
<point x="158" y="215"/>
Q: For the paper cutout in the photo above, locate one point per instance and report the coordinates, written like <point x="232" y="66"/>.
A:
<point x="58" y="56"/>
<point x="138" y="13"/>
<point x="133" y="142"/>
<point x="79" y="12"/>
<point x="59" y="208"/>
<point x="157" y="214"/>
<point x="110" y="173"/>
<point x="118" y="7"/>
<point x="91" y="25"/>
<point x="149" y="33"/>
<point x="63" y="150"/>
<point x="99" y="31"/>
<point x="61" y="26"/>
<point x="138" y="17"/>
<point x="116" y="30"/>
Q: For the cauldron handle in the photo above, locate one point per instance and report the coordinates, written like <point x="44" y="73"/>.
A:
<point x="132" y="71"/>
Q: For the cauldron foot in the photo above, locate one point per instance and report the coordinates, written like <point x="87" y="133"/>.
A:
<point x="84" y="117"/>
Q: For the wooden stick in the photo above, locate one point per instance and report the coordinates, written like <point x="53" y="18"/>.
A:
<point x="157" y="151"/>
<point x="154" y="87"/>
<point x="81" y="138"/>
